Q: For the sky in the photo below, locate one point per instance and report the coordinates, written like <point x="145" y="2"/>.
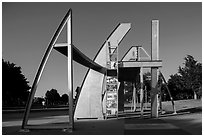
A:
<point x="28" y="27"/>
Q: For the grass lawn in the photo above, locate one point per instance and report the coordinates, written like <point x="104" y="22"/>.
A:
<point x="181" y="105"/>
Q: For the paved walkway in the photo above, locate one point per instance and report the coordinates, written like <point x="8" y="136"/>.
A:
<point x="171" y="125"/>
<point x="151" y="127"/>
<point x="37" y="121"/>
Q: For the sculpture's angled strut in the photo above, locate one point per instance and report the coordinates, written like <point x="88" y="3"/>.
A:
<point x="89" y="102"/>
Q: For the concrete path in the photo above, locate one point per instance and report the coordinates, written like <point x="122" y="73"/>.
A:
<point x="151" y="127"/>
<point x="37" y="121"/>
<point x="167" y="125"/>
<point x="191" y="123"/>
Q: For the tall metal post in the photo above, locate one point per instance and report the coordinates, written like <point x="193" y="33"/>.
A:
<point x="160" y="99"/>
<point x="146" y="97"/>
<point x="134" y="97"/>
<point x="141" y="92"/>
<point x="172" y="101"/>
<point x="154" y="70"/>
<point x="70" y="71"/>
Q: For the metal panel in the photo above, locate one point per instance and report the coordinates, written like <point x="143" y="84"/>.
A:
<point x="89" y="104"/>
<point x="144" y="64"/>
<point x="112" y="80"/>
<point x="132" y="54"/>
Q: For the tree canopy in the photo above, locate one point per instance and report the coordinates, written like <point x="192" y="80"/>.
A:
<point x="65" y="99"/>
<point x="52" y="97"/>
<point x="188" y="81"/>
<point x="15" y="88"/>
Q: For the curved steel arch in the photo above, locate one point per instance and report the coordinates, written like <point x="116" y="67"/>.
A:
<point x="42" y="65"/>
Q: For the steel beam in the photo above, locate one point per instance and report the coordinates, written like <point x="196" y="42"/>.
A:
<point x="80" y="57"/>
<point x="134" y="97"/>
<point x="143" y="64"/>
<point x="154" y="70"/>
<point x="70" y="71"/>
<point x="141" y="92"/>
<point x="155" y="40"/>
<point x="154" y="93"/>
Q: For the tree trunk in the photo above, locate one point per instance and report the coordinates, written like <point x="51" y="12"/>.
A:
<point x="195" y="95"/>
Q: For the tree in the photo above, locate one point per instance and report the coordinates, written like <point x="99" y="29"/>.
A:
<point x="177" y="87"/>
<point x="191" y="75"/>
<point x="64" y="99"/>
<point x="38" y="101"/>
<point x="15" y="88"/>
<point x="187" y="82"/>
<point x="52" y="97"/>
<point x="77" y="91"/>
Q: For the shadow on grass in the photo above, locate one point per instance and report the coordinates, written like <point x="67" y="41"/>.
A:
<point x="191" y="110"/>
<point x="183" y="111"/>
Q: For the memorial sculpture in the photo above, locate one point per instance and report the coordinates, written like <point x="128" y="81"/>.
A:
<point x="102" y="89"/>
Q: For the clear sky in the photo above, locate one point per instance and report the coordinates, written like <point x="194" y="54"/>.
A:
<point x="28" y="27"/>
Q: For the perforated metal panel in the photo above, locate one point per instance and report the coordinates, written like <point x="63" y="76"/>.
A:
<point x="112" y="80"/>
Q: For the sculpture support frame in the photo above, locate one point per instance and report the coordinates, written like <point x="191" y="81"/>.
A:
<point x="41" y="68"/>
<point x="117" y="36"/>
<point x="70" y="71"/>
<point x="154" y="70"/>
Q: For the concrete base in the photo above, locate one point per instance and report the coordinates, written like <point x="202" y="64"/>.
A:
<point x="24" y="130"/>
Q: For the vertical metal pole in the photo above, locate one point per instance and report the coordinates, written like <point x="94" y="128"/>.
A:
<point x="132" y="103"/>
<point x="154" y="73"/>
<point x="172" y="101"/>
<point x="134" y="97"/>
<point x="146" y="97"/>
<point x="40" y="69"/>
<point x="106" y="78"/>
<point x="70" y="71"/>
<point x="154" y="94"/>
<point x="117" y="78"/>
<point x="141" y="92"/>
<point x="160" y="97"/>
